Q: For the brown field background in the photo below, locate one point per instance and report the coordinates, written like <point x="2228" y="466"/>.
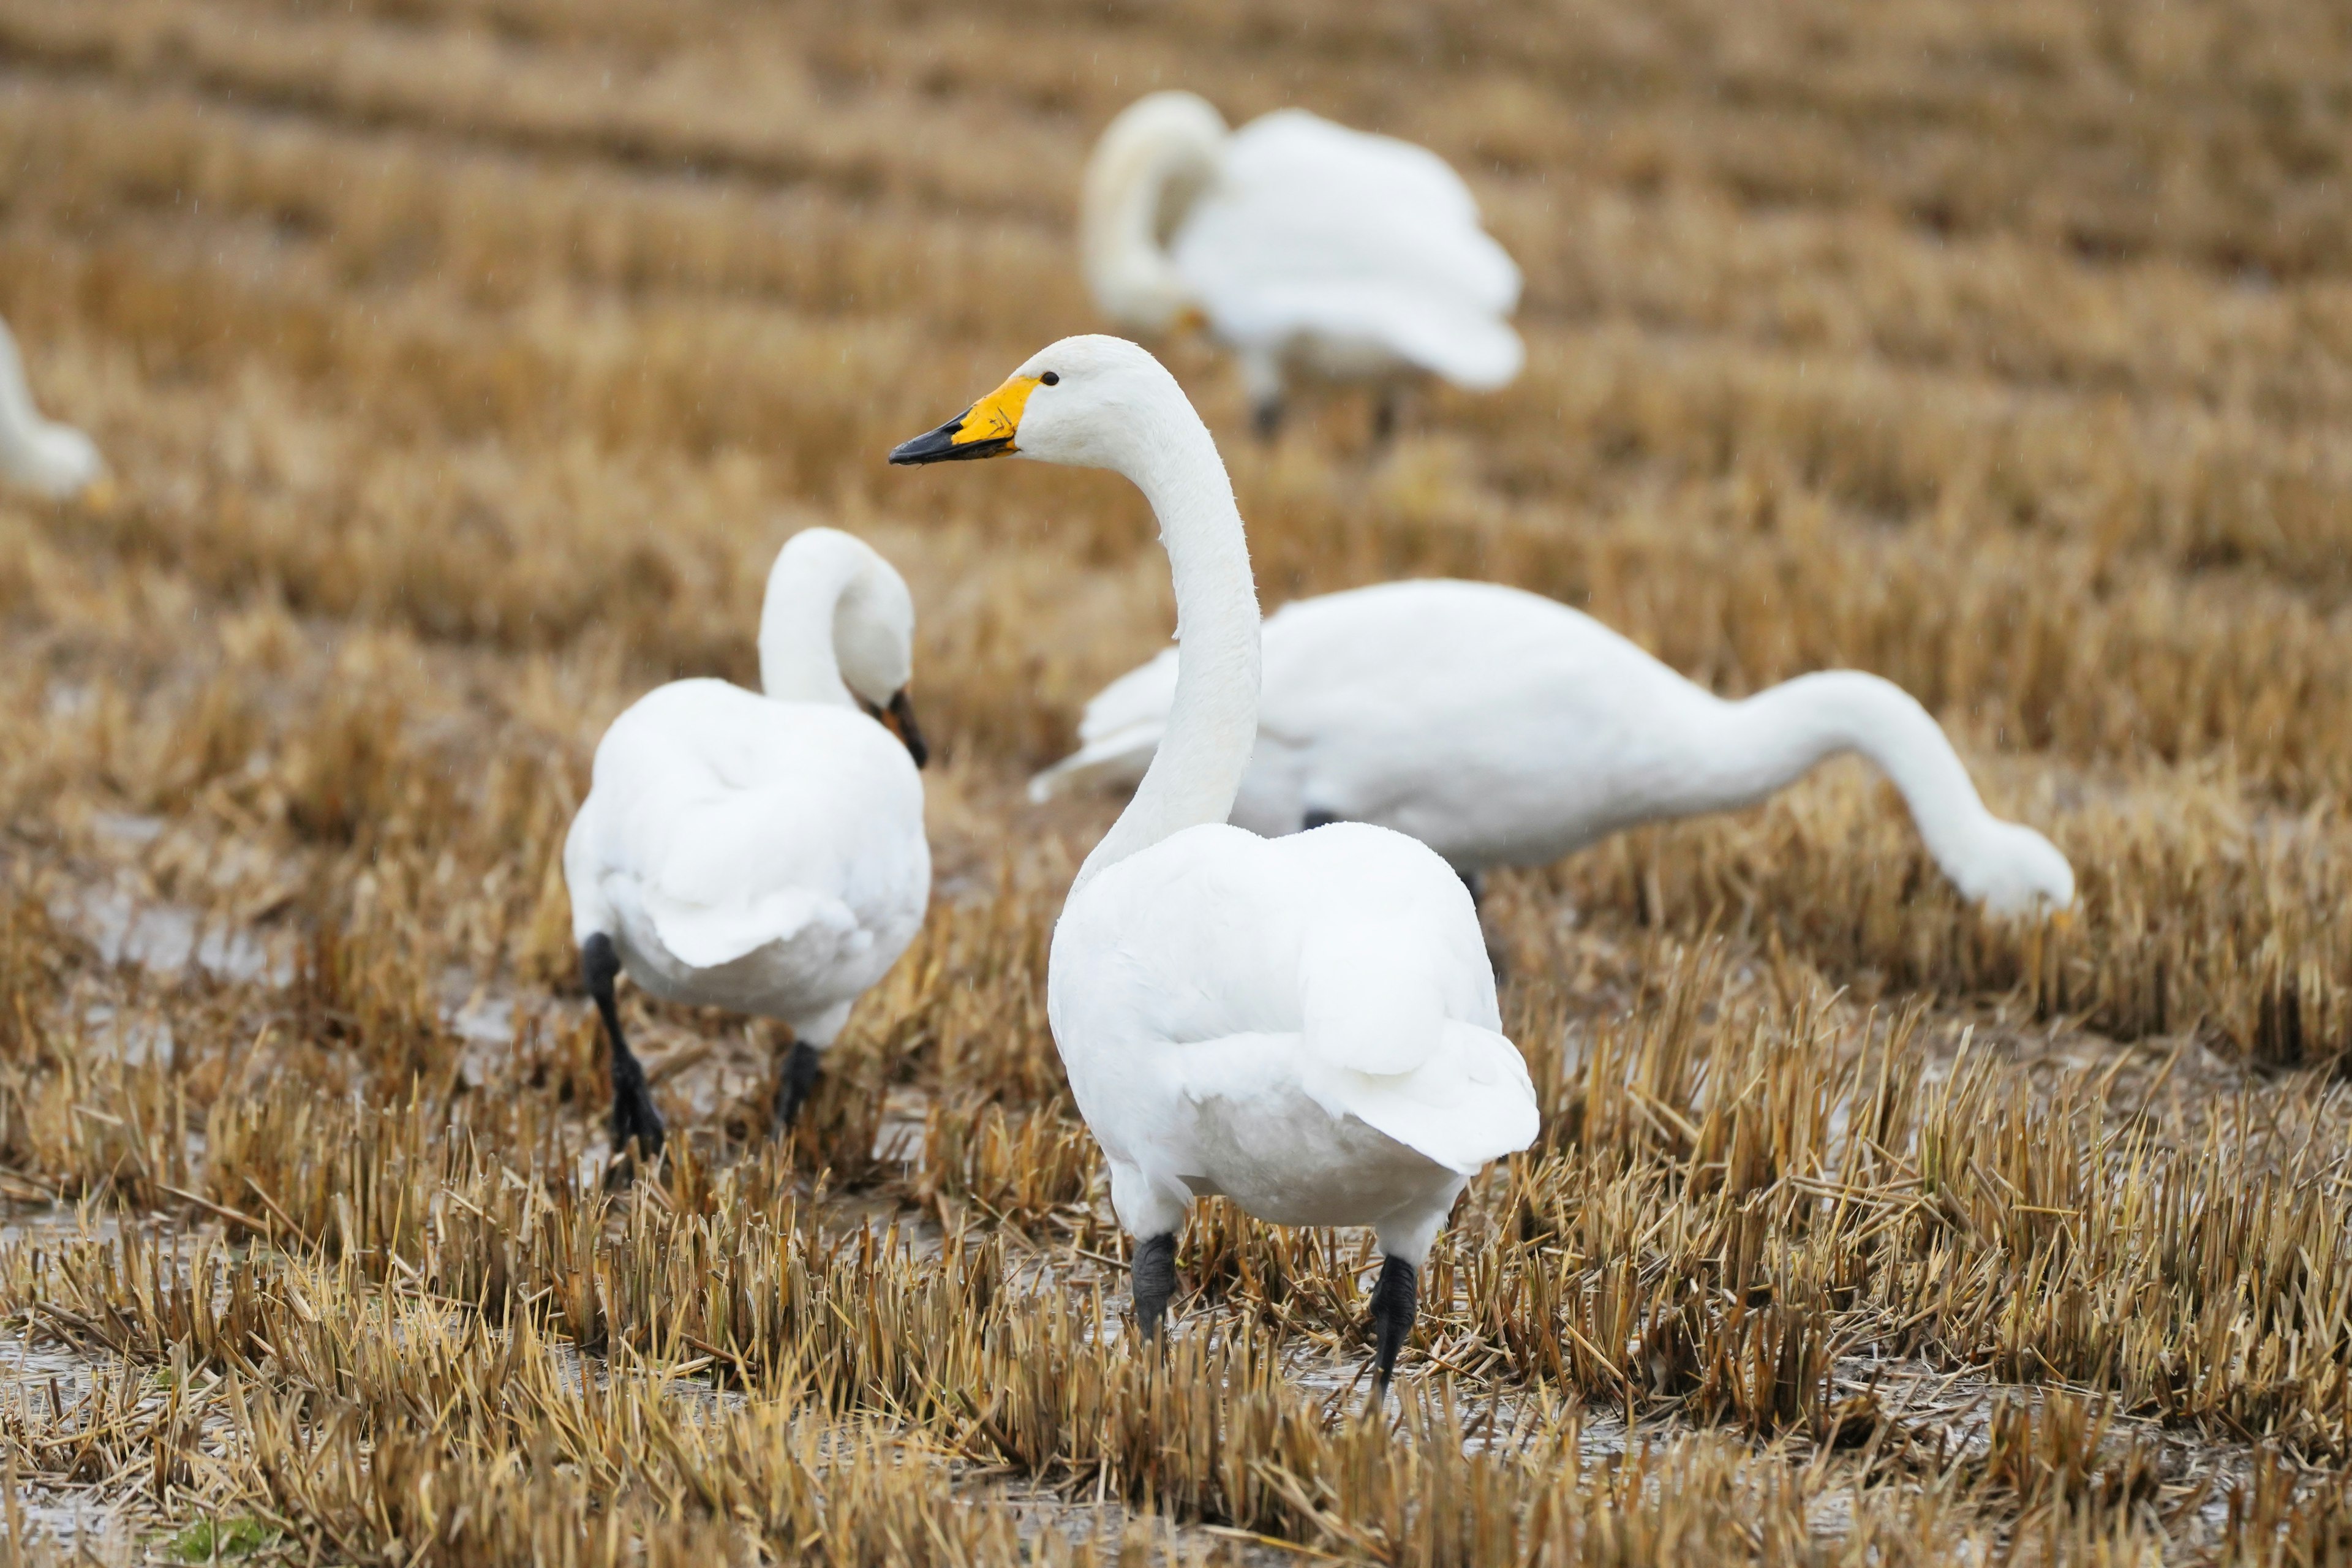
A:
<point x="463" y="364"/>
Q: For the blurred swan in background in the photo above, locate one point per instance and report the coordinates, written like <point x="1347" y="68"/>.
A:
<point x="761" y="852"/>
<point x="1501" y="728"/>
<point x="1307" y="1025"/>
<point x="56" y="460"/>
<point x="1305" y="247"/>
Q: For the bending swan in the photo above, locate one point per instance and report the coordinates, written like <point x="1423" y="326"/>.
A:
<point x="1307" y="1025"/>
<point x="762" y="853"/>
<point x="1303" y="245"/>
<point x="1503" y="728"/>
<point x="56" y="460"/>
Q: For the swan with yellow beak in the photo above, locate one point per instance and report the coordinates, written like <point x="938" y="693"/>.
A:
<point x="1307" y="1025"/>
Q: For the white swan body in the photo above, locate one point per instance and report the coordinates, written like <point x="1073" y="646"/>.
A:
<point x="763" y="856"/>
<point x="1308" y="1025"/>
<point x="1502" y="728"/>
<point x="765" y="853"/>
<point x="53" y="459"/>
<point x="1303" y="245"/>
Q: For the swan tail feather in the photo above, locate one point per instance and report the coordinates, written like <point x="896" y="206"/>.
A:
<point x="1468" y="1102"/>
<point x="1118" y="759"/>
<point x="708" y="935"/>
<point x="1119" y="732"/>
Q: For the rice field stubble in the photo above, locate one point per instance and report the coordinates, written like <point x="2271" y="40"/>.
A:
<point x="464" y="362"/>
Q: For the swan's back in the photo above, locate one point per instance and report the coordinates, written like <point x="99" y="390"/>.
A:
<point x="732" y="821"/>
<point x="1494" y="725"/>
<point x="1351" y="951"/>
<point x="1313" y="228"/>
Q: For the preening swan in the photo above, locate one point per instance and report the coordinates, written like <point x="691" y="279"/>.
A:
<point x="761" y="852"/>
<point x="56" y="460"/>
<point x="1503" y="728"/>
<point x="1303" y="245"/>
<point x="1308" y="1025"/>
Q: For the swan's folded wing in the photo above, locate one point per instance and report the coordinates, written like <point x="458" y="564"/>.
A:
<point x="1301" y="201"/>
<point x="733" y="877"/>
<point x="734" y="822"/>
<point x="1469" y="1101"/>
<point x="1380" y="1044"/>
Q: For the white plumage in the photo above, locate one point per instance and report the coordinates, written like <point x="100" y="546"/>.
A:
<point x="1307" y="1025"/>
<point x="56" y="460"/>
<point x="763" y="853"/>
<point x="1501" y="728"/>
<point x="1305" y="247"/>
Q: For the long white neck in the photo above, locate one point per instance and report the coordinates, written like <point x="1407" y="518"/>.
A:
<point x="1213" y="723"/>
<point x="798" y="659"/>
<point x="1752" y="749"/>
<point x="1156" y="156"/>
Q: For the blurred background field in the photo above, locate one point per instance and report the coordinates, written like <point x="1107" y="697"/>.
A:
<point x="462" y="365"/>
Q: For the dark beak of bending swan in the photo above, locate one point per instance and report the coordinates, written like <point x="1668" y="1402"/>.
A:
<point x="899" y="718"/>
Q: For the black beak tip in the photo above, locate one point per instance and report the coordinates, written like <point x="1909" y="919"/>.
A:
<point x="910" y="734"/>
<point x="924" y="448"/>
<point x="941" y="446"/>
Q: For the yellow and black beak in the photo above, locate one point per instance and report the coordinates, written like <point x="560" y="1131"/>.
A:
<point x="900" y="720"/>
<point x="983" y="430"/>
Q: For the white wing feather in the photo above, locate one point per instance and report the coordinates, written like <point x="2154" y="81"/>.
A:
<point x="1314" y="228"/>
<point x="736" y="823"/>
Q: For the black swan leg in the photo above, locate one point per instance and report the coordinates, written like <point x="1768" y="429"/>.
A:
<point x="1154" y="1276"/>
<point x="1395" y="1299"/>
<point x="794" y="1084"/>
<point x="633" y="1116"/>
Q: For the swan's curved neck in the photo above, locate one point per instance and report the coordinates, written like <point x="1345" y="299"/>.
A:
<point x="1213" y="723"/>
<point x="1139" y="172"/>
<point x="798" y="659"/>
<point x="1776" y="736"/>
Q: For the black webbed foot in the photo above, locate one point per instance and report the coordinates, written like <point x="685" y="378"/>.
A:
<point x="794" y="1085"/>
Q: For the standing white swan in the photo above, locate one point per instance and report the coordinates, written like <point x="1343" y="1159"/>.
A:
<point x="1504" y="728"/>
<point x="763" y="853"/>
<point x="56" y="460"/>
<point x="1307" y="1025"/>
<point x="1304" y="247"/>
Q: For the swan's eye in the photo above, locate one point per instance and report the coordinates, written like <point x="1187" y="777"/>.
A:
<point x="1051" y="378"/>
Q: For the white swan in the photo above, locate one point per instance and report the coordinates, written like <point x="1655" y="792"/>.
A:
<point x="1303" y="247"/>
<point x="56" y="460"/>
<point x="1503" y="728"/>
<point x="1308" y="1025"/>
<point x="763" y="853"/>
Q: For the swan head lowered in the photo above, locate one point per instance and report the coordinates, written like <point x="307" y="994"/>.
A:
<point x="838" y="618"/>
<point x="1151" y="164"/>
<point x="2014" y="872"/>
